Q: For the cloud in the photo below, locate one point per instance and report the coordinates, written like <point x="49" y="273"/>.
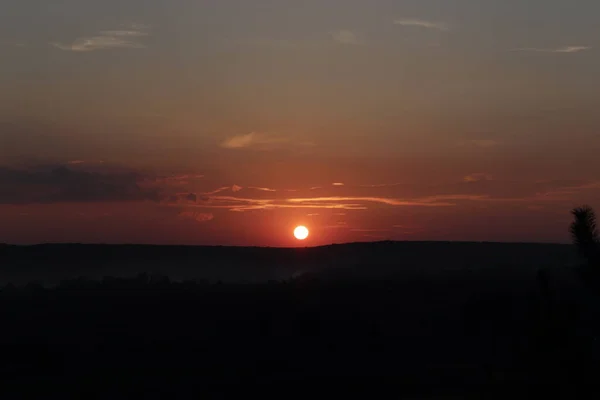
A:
<point x="420" y="23"/>
<point x="219" y="190"/>
<point x="339" y="226"/>
<point x="12" y="43"/>
<point x="429" y="202"/>
<point x="128" y="37"/>
<point x="241" y="204"/>
<point x="566" y="49"/>
<point x="478" y="176"/>
<point x="197" y="216"/>
<point x="181" y="198"/>
<point x="178" y="180"/>
<point x="568" y="191"/>
<point x="252" y="139"/>
<point x="60" y="184"/>
<point x="338" y="184"/>
<point x="347" y="37"/>
<point x="234" y="188"/>
<point x="262" y="189"/>
<point x="261" y="141"/>
<point x="480" y="188"/>
<point x="382" y="185"/>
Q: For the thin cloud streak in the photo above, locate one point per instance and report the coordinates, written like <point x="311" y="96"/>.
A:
<point x="197" y="216"/>
<point x="262" y="141"/>
<point x="108" y="39"/>
<point x="566" y="49"/>
<point x="477" y="177"/>
<point x="242" y="204"/>
<point x="567" y="191"/>
<point x="382" y="185"/>
<point x="421" y="23"/>
<point x="262" y="189"/>
<point x="429" y="202"/>
<point x="234" y="188"/>
<point x="12" y="43"/>
<point x="347" y="37"/>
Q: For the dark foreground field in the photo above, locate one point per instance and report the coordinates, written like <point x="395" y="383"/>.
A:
<point x="461" y="332"/>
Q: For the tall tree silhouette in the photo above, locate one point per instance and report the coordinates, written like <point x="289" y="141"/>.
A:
<point x="584" y="233"/>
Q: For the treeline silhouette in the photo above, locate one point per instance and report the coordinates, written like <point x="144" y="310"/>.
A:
<point x="465" y="332"/>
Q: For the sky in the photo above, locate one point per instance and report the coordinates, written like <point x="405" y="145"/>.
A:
<point x="231" y="122"/>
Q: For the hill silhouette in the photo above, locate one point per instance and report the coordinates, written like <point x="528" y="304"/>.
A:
<point x="50" y="263"/>
<point x="423" y="319"/>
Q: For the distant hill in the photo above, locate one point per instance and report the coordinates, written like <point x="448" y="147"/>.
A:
<point x="50" y="263"/>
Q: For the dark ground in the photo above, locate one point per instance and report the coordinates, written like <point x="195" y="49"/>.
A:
<point x="463" y="331"/>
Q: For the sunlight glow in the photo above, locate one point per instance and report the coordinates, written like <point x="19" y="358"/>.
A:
<point x="301" y="232"/>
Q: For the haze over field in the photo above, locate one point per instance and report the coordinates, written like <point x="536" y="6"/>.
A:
<point x="232" y="122"/>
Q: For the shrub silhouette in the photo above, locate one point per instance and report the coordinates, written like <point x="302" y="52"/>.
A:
<point x="585" y="234"/>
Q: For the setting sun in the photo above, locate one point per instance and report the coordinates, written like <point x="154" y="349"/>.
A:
<point x="301" y="232"/>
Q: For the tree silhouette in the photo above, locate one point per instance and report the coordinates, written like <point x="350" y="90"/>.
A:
<point x="585" y="234"/>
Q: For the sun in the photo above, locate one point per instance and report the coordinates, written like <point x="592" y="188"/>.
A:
<point x="301" y="232"/>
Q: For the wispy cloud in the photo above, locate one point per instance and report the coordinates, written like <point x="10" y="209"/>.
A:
<point x="178" y="180"/>
<point x="234" y="188"/>
<point x="338" y="226"/>
<point x="180" y="199"/>
<point x="219" y="190"/>
<point x="565" y="49"/>
<point x="478" y="176"/>
<point x="12" y="43"/>
<point x="430" y="201"/>
<point x="197" y="216"/>
<point x="240" y="204"/>
<point x="252" y="139"/>
<point x="262" y="141"/>
<point x="249" y="204"/>
<point x="382" y="185"/>
<point x="347" y="37"/>
<point x="84" y="163"/>
<point x="337" y="184"/>
<point x="355" y="203"/>
<point x="421" y="23"/>
<point x="262" y="189"/>
<point x="127" y="37"/>
<point x="569" y="190"/>
<point x="59" y="184"/>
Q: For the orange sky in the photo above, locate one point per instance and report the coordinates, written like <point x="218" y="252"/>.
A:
<point x="232" y="122"/>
